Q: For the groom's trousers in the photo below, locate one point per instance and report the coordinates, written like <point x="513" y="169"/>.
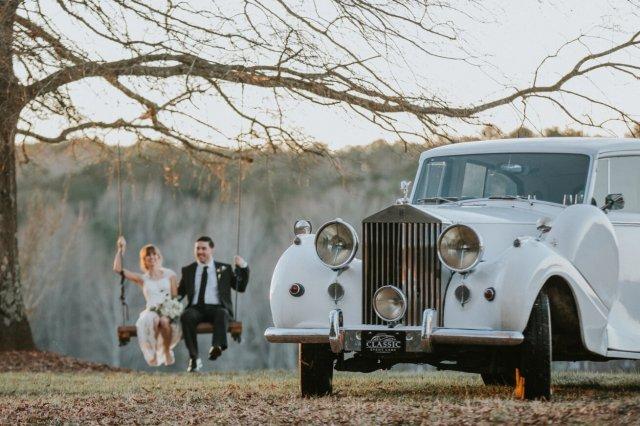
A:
<point x="194" y="315"/>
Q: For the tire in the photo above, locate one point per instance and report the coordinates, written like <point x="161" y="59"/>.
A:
<point x="535" y="363"/>
<point x="499" y="379"/>
<point x="315" y="363"/>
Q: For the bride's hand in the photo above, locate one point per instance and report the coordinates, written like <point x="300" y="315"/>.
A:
<point x="121" y="244"/>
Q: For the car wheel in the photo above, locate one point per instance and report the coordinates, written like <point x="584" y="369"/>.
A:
<point x="535" y="363"/>
<point x="315" y="363"/>
<point x="499" y="379"/>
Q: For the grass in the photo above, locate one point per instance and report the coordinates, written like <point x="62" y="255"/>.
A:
<point x="272" y="397"/>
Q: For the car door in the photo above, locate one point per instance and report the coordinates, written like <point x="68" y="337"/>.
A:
<point x="620" y="174"/>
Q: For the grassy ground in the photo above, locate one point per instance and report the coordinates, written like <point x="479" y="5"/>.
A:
<point x="272" y="397"/>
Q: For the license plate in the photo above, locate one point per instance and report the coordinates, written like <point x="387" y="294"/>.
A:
<point x="384" y="342"/>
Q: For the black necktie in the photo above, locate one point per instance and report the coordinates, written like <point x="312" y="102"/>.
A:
<point x="203" y="286"/>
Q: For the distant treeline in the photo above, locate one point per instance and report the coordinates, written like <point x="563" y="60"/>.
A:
<point x="68" y="221"/>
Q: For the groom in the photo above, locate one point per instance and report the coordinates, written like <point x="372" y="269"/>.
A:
<point x="207" y="285"/>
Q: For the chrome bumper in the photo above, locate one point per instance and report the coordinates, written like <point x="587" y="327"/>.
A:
<point x="418" y="339"/>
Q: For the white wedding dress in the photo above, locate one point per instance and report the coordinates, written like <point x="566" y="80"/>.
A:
<point x="155" y="292"/>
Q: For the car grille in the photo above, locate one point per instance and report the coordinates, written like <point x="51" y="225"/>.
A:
<point x="399" y="248"/>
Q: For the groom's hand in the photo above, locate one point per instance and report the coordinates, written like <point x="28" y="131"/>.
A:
<point x="240" y="262"/>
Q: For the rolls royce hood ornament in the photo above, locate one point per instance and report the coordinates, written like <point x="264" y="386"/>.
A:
<point x="405" y="187"/>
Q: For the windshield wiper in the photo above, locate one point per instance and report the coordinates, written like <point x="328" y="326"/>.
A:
<point x="508" y="197"/>
<point x="438" y="200"/>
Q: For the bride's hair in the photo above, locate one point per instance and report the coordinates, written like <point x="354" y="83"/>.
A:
<point x="146" y="251"/>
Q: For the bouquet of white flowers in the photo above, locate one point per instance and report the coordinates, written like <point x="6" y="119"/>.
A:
<point x="170" y="308"/>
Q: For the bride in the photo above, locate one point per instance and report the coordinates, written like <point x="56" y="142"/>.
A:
<point x="157" y="335"/>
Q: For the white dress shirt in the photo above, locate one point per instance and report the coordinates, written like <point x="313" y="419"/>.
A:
<point x="211" y="292"/>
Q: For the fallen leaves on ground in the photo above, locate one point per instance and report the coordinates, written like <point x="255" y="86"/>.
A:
<point x="39" y="361"/>
<point x="272" y="397"/>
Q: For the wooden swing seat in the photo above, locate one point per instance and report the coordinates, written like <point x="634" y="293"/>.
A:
<point x="126" y="332"/>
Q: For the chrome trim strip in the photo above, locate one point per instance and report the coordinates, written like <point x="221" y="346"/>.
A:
<point x="444" y="336"/>
<point x="461" y="336"/>
<point x="619" y="354"/>
<point x="427" y="329"/>
<point x="297" y="335"/>
<point x="336" y="334"/>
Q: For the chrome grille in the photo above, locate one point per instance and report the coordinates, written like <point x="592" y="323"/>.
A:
<point x="402" y="254"/>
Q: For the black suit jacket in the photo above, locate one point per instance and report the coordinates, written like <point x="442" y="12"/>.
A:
<point x="228" y="278"/>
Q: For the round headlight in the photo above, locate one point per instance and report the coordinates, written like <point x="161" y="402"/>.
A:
<point x="302" y="227"/>
<point x="389" y="303"/>
<point x="459" y="248"/>
<point x="336" y="244"/>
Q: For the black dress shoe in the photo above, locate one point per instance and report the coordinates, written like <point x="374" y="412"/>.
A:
<point x="194" y="365"/>
<point x="215" y="352"/>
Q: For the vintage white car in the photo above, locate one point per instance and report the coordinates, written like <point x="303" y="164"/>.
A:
<point x="506" y="255"/>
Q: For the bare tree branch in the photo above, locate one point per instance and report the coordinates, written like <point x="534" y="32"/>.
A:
<point x="284" y="47"/>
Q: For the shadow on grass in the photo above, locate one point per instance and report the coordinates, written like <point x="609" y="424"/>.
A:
<point x="602" y="382"/>
<point x="466" y="386"/>
<point x="609" y="387"/>
<point x="420" y="391"/>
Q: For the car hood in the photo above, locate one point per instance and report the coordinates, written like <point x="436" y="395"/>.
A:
<point x="506" y="212"/>
<point x="498" y="222"/>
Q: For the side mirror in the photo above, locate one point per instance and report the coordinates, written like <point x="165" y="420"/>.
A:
<point x="613" y="202"/>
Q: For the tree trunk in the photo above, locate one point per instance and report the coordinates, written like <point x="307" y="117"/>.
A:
<point x="15" y="333"/>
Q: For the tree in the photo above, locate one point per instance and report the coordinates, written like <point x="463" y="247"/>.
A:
<point x="168" y="57"/>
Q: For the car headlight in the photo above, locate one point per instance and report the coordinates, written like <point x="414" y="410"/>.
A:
<point x="336" y="244"/>
<point x="459" y="248"/>
<point x="389" y="303"/>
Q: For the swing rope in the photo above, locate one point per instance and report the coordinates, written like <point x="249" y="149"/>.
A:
<point x="235" y="311"/>
<point x="123" y="296"/>
<point x="239" y="196"/>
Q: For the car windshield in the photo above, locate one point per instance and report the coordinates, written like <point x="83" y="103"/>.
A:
<point x="558" y="178"/>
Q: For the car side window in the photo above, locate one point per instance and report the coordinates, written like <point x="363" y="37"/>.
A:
<point x="601" y="185"/>
<point x="619" y="175"/>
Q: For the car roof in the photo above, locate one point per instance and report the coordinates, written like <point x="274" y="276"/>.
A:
<point x="573" y="145"/>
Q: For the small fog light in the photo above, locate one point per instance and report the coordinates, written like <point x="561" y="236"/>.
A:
<point x="389" y="303"/>
<point x="490" y="294"/>
<point x="463" y="294"/>
<point x="336" y="291"/>
<point x="296" y="290"/>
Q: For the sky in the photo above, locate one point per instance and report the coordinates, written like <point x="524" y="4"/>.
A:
<point x="511" y="39"/>
<point x="524" y="33"/>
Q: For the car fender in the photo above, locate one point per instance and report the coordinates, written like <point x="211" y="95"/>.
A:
<point x="300" y="264"/>
<point x="517" y="276"/>
<point x="584" y="236"/>
<point x="534" y="263"/>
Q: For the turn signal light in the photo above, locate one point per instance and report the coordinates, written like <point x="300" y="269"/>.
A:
<point x="490" y="294"/>
<point x="296" y="290"/>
